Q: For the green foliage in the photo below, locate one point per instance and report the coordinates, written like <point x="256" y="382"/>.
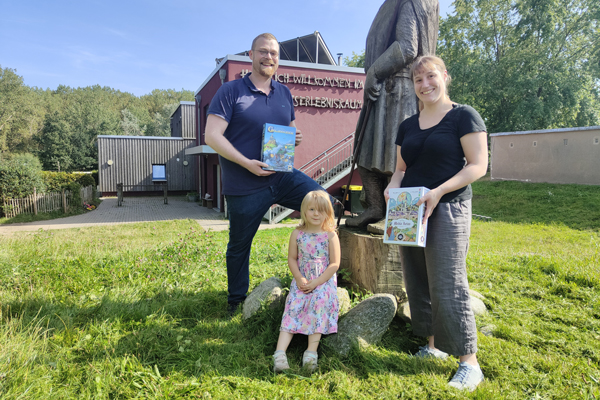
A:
<point x="57" y="181"/>
<point x="525" y="65"/>
<point x="75" y="189"/>
<point x="61" y="126"/>
<point x="18" y="179"/>
<point x="86" y="180"/>
<point x="357" y="60"/>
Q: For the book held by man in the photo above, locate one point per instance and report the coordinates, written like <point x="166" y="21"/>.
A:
<point x="278" y="147"/>
<point x="404" y="219"/>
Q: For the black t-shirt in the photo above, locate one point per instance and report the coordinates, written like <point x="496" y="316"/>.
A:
<point x="434" y="155"/>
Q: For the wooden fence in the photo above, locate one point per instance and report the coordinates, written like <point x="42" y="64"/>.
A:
<point x="44" y="203"/>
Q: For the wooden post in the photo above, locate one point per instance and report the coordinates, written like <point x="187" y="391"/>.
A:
<point x="34" y="201"/>
<point x="64" y="201"/>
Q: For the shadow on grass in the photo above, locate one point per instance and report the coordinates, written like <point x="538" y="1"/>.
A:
<point x="193" y="334"/>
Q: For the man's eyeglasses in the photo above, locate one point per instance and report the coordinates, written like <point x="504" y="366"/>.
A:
<point x="265" y="53"/>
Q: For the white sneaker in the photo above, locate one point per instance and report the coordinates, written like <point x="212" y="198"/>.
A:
<point x="280" y="361"/>
<point x="428" y="352"/>
<point x="467" y="377"/>
<point x="309" y="360"/>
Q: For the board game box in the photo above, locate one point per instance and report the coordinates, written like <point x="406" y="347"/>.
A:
<point x="404" y="219"/>
<point x="278" y="147"/>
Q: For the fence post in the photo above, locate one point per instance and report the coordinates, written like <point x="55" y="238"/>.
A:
<point x="64" y="201"/>
<point x="34" y="201"/>
<point x="119" y="194"/>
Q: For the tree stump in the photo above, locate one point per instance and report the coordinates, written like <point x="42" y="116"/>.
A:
<point x="373" y="265"/>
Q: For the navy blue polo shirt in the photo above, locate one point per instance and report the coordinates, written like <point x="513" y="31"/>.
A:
<point x="247" y="109"/>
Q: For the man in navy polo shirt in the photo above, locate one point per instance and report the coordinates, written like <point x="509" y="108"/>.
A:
<point x="234" y="128"/>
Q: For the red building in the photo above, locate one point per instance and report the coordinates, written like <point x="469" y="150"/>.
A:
<point x="327" y="100"/>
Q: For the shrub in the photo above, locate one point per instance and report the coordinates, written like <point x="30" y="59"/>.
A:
<point x="75" y="189"/>
<point x="18" y="178"/>
<point x="86" y="180"/>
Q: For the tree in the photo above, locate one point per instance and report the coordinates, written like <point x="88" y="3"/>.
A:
<point x="131" y="124"/>
<point x="525" y="64"/>
<point x="357" y="60"/>
<point x="16" y="112"/>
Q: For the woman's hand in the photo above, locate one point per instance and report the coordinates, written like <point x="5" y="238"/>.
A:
<point x="431" y="200"/>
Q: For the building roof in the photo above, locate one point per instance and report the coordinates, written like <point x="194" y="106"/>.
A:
<point x="309" y="48"/>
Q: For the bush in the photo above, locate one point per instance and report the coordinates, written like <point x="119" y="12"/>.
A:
<point x="18" y="178"/>
<point x="86" y="180"/>
<point x="75" y="189"/>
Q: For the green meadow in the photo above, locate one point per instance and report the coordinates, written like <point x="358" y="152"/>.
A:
<point x="139" y="311"/>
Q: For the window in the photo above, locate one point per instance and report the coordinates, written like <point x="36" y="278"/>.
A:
<point x="159" y="173"/>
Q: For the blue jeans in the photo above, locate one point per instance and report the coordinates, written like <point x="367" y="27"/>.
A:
<point x="245" y="215"/>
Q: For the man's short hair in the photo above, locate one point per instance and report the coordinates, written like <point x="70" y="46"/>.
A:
<point x="267" y="36"/>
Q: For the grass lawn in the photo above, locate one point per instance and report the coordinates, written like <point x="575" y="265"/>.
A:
<point x="139" y="311"/>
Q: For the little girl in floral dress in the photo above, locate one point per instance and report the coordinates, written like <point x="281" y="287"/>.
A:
<point x="313" y="258"/>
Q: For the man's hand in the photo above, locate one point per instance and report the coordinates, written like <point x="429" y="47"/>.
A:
<point x="372" y="86"/>
<point x="298" y="137"/>
<point x="256" y="167"/>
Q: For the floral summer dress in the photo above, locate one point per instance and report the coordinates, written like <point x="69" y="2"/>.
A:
<point x="315" y="312"/>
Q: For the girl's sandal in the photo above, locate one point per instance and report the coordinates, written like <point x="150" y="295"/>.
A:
<point x="309" y="360"/>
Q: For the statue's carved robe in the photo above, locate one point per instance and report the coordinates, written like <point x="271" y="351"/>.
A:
<point x="414" y="25"/>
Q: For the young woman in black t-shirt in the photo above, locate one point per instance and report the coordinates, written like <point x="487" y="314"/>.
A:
<point x="444" y="148"/>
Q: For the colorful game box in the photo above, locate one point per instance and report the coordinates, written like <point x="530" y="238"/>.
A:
<point x="404" y="219"/>
<point x="279" y="147"/>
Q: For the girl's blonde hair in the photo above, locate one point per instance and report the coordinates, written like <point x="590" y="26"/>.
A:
<point x="428" y="63"/>
<point x="322" y="203"/>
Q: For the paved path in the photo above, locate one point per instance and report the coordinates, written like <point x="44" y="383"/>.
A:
<point x="135" y="209"/>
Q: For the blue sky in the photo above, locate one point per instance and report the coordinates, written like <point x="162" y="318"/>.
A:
<point x="136" y="46"/>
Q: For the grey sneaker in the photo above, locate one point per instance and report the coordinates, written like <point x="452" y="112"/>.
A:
<point x="467" y="377"/>
<point x="428" y="352"/>
<point x="309" y="360"/>
<point x="280" y="362"/>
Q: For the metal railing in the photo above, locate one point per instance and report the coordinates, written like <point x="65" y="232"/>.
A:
<point x="325" y="168"/>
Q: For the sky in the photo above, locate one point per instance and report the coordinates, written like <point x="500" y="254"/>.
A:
<point x="137" y="46"/>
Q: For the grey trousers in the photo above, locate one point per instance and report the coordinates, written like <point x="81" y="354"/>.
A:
<point x="435" y="278"/>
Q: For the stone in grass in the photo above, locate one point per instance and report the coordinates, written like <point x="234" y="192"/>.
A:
<point x="269" y="292"/>
<point x="344" y="300"/>
<point x="363" y="325"/>
<point x="477" y="306"/>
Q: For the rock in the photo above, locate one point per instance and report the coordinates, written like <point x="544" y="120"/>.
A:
<point x="344" y="300"/>
<point x="488" y="330"/>
<point x="477" y="306"/>
<point x="476" y="294"/>
<point x="404" y="311"/>
<point x="363" y="325"/>
<point x="268" y="292"/>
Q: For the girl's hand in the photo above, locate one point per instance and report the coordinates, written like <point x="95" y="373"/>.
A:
<point x="302" y="283"/>
<point x="310" y="286"/>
